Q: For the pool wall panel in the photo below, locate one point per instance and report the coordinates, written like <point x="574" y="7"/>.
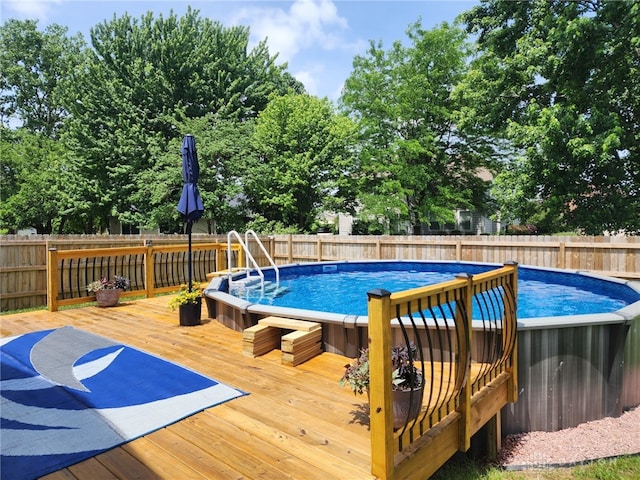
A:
<point x="568" y="376"/>
<point x="631" y="368"/>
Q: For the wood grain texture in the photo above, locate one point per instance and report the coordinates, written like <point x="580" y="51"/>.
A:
<point x="296" y="423"/>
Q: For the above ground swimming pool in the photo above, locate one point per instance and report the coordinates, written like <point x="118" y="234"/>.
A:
<point x="342" y="288"/>
<point x="578" y="334"/>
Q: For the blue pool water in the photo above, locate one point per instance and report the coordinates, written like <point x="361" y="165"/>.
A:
<point x="342" y="287"/>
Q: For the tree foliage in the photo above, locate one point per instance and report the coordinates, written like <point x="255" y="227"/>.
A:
<point x="33" y="65"/>
<point x="34" y="183"/>
<point x="223" y="152"/>
<point x="418" y="164"/>
<point x="563" y="87"/>
<point x="552" y="91"/>
<point x="304" y="163"/>
<point x="140" y="78"/>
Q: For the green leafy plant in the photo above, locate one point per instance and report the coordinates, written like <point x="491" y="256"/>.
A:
<point x="405" y="376"/>
<point x="186" y="295"/>
<point x="356" y="374"/>
<point x="116" y="283"/>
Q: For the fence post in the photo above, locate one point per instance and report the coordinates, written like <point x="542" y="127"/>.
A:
<point x="463" y="380"/>
<point x="380" y="397"/>
<point x="272" y="247"/>
<point x="220" y="264"/>
<point x="562" y="252"/>
<point x="149" y="275"/>
<point x="52" y="279"/>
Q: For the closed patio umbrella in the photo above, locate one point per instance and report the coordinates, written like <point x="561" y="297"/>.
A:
<point x="190" y="204"/>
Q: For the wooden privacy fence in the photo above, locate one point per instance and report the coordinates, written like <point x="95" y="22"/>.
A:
<point x="467" y="381"/>
<point x="151" y="269"/>
<point x="612" y="256"/>
<point x="23" y="260"/>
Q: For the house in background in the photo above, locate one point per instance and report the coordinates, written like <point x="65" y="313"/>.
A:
<point x="118" y="228"/>
<point x="467" y="222"/>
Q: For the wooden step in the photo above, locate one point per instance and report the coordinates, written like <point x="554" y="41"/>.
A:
<point x="260" y="339"/>
<point x="220" y="273"/>
<point x="290" y="324"/>
<point x="298" y="347"/>
<point x="299" y="340"/>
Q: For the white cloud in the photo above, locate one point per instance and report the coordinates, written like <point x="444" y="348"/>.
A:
<point x="307" y="24"/>
<point x="309" y="81"/>
<point x="32" y="9"/>
<point x="310" y="35"/>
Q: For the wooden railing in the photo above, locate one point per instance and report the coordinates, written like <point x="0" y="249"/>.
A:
<point x="23" y="260"/>
<point x="151" y="269"/>
<point x="468" y="380"/>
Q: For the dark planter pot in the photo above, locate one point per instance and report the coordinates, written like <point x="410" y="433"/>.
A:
<point x="190" y="313"/>
<point x="108" y="298"/>
<point x="405" y="406"/>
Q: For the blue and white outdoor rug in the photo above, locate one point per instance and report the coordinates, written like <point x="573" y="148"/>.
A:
<point x="67" y="395"/>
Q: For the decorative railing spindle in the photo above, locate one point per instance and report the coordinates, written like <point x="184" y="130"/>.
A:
<point x="465" y="334"/>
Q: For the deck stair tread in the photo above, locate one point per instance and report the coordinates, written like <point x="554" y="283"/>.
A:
<point x="290" y="323"/>
<point x="298" y="340"/>
<point x="252" y="287"/>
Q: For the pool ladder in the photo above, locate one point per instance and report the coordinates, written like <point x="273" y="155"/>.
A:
<point x="249" y="279"/>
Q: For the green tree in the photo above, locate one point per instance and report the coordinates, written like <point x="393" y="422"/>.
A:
<point x="559" y="80"/>
<point x="418" y="164"/>
<point x="138" y="78"/>
<point x="35" y="175"/>
<point x="34" y="182"/>
<point x="33" y="65"/>
<point x="304" y="164"/>
<point x="223" y="150"/>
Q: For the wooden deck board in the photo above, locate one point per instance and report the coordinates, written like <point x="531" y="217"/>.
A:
<point x="296" y="422"/>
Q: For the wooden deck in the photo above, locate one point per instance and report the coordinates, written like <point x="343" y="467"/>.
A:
<point x="296" y="422"/>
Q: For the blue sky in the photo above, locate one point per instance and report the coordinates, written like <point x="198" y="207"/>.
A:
<point x="317" y="38"/>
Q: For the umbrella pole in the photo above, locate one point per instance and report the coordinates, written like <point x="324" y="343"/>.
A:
<point x="189" y="225"/>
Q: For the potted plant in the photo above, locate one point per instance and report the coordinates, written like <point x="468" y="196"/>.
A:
<point x="188" y="301"/>
<point x="407" y="382"/>
<point x="107" y="291"/>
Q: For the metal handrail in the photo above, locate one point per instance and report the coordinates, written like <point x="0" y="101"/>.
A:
<point x="264" y="251"/>
<point x="250" y="258"/>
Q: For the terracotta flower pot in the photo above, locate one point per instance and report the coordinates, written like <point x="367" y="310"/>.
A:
<point x="108" y="297"/>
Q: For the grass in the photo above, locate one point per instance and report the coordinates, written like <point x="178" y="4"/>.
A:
<point x="77" y="305"/>
<point x="22" y="310"/>
<point x="620" y="468"/>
